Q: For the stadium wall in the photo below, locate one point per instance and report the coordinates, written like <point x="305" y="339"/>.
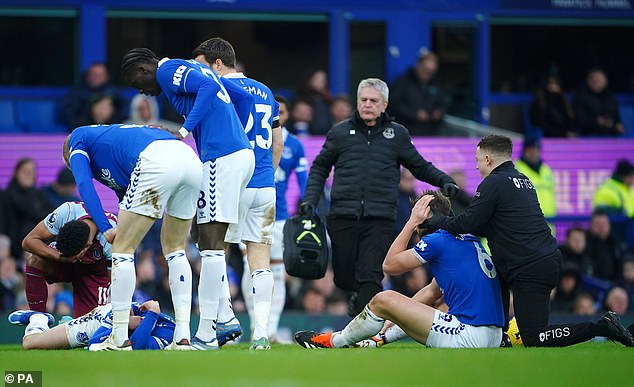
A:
<point x="579" y="165"/>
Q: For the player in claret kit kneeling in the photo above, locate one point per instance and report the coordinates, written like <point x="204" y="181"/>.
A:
<point x="464" y="275"/>
<point x="67" y="247"/>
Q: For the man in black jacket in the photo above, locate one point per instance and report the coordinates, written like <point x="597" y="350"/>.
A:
<point x="505" y="209"/>
<point x="366" y="151"/>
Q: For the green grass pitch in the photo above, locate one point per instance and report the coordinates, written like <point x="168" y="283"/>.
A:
<point x="401" y="364"/>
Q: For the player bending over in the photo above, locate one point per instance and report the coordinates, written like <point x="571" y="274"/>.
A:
<point x="464" y="275"/>
<point x="80" y="256"/>
<point x="158" y="177"/>
<point x="196" y="92"/>
<point x="149" y="328"/>
<point x="257" y="202"/>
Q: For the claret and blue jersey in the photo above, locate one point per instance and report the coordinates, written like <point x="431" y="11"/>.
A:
<point x="198" y="94"/>
<point x="466" y="275"/>
<point x="109" y="154"/>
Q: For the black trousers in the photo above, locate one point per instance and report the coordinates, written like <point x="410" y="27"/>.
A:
<point x="531" y="302"/>
<point x="358" y="251"/>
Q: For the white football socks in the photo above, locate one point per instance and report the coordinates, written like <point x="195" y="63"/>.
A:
<point x="225" y="309"/>
<point x="262" y="280"/>
<point x="180" y="278"/>
<point x="394" y="333"/>
<point x="365" y="325"/>
<point x="211" y="272"/>
<point x="122" y="284"/>
<point x="279" y="297"/>
<point x="247" y="291"/>
<point x="38" y="323"/>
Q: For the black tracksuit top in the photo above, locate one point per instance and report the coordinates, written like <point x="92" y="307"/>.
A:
<point x="505" y="209"/>
<point x="367" y="164"/>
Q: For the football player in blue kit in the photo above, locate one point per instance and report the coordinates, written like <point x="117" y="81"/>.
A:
<point x="150" y="328"/>
<point x="257" y="204"/>
<point x="161" y="174"/>
<point x="199" y="95"/>
<point x="464" y="275"/>
<point x="292" y="160"/>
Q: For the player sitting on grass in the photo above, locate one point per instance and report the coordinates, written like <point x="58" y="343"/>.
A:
<point x="464" y="275"/>
<point x="149" y="328"/>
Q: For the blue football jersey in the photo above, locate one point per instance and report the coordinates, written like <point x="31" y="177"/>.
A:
<point x="107" y="153"/>
<point x="292" y="160"/>
<point x="197" y="94"/>
<point x="466" y="275"/>
<point x="156" y="331"/>
<point x="267" y="117"/>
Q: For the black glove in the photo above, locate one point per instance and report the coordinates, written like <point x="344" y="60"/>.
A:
<point x="450" y="190"/>
<point x="432" y="224"/>
<point x="306" y="209"/>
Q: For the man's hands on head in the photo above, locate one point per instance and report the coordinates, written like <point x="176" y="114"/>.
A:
<point x="423" y="215"/>
<point x="77" y="257"/>
<point x="420" y="212"/>
<point x="151" y="305"/>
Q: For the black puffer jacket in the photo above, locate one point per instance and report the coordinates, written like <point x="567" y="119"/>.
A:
<point x="367" y="164"/>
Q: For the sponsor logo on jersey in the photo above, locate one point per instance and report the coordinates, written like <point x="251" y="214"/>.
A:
<point x="421" y="245"/>
<point x="107" y="177"/>
<point x="287" y="153"/>
<point x="388" y="133"/>
<point x="178" y="75"/>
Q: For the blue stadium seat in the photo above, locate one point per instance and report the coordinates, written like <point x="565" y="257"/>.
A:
<point x="38" y="116"/>
<point x="7" y="117"/>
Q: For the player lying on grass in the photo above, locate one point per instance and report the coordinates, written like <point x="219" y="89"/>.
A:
<point x="149" y="328"/>
<point x="80" y="255"/>
<point x="464" y="275"/>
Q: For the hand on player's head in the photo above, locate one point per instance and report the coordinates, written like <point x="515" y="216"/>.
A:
<point x="151" y="305"/>
<point x="421" y="210"/>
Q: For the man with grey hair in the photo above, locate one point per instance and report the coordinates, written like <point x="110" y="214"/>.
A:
<point x="366" y="151"/>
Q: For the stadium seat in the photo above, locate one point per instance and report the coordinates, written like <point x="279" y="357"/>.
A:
<point x="38" y="116"/>
<point x="7" y="117"/>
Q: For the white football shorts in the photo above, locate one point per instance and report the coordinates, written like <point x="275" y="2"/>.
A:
<point x="256" y="217"/>
<point x="79" y="331"/>
<point x="224" y="180"/>
<point x="166" y="178"/>
<point x="448" y="332"/>
<point x="277" y="247"/>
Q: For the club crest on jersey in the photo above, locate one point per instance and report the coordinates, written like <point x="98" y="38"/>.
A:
<point x="287" y="153"/>
<point x="388" y="133"/>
